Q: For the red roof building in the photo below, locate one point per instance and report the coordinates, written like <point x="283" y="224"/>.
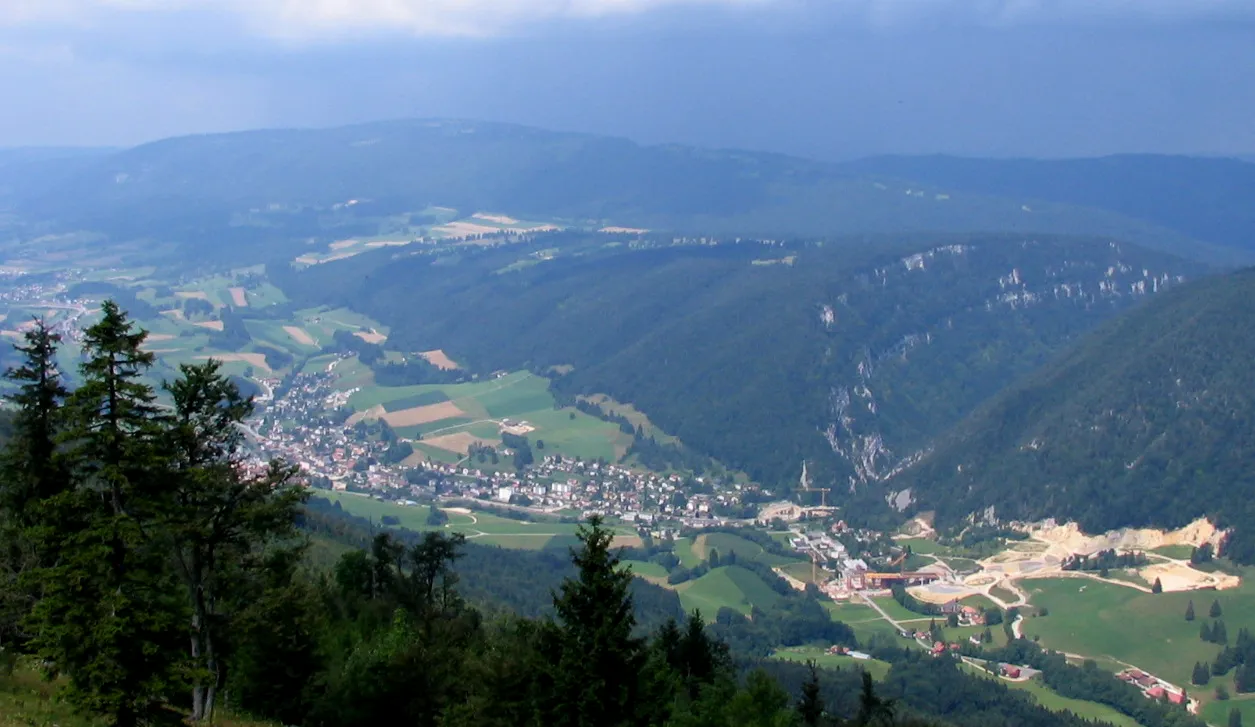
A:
<point x="1155" y="692"/>
<point x="1176" y="697"/>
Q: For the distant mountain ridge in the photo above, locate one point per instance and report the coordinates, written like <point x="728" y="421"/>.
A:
<point x="1150" y="421"/>
<point x="1207" y="198"/>
<point x="205" y="193"/>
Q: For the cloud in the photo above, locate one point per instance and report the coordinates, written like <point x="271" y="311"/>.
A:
<point x="338" y="19"/>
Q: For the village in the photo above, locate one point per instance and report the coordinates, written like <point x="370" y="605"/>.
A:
<point x="302" y="421"/>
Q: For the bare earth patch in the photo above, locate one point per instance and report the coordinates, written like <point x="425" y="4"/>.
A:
<point x="372" y="337"/>
<point x="438" y="359"/>
<point x="300" y="335"/>
<point x="423" y="414"/>
<point x="173" y="313"/>
<point x="625" y="230"/>
<point x="197" y="294"/>
<point x="160" y="337"/>
<point x="388" y="243"/>
<point x="239" y="298"/>
<point x="375" y="412"/>
<point x="255" y="360"/>
<point x="499" y="219"/>
<point x="459" y="442"/>
<point x="212" y="325"/>
<point x="341" y="244"/>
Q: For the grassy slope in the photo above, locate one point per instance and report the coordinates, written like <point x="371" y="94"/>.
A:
<point x="482" y="528"/>
<point x="1053" y="701"/>
<point x="730" y="586"/>
<point x="26" y="700"/>
<point x="878" y="669"/>
<point x="745" y="549"/>
<point x="1148" y="630"/>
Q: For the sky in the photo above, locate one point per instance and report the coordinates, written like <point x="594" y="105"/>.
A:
<point x="830" y="79"/>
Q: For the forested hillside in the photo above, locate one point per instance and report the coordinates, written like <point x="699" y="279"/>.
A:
<point x="850" y="354"/>
<point x="237" y="198"/>
<point x="1150" y="421"/>
<point x="1205" y="198"/>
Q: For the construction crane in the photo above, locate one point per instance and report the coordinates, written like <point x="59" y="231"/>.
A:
<point x="807" y="487"/>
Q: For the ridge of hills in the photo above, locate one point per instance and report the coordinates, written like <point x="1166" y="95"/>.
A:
<point x="1202" y="197"/>
<point x="850" y="354"/>
<point x="242" y="197"/>
<point x="1149" y="421"/>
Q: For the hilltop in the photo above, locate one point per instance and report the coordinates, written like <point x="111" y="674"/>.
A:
<point x="1147" y="422"/>
<point x="247" y="197"/>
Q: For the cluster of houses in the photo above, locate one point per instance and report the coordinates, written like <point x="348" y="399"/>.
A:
<point x="297" y="427"/>
<point x="1152" y="687"/>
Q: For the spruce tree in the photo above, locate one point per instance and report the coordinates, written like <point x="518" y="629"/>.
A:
<point x="1204" y="632"/>
<point x="595" y="659"/>
<point x="30" y="473"/>
<point x="1235" y="717"/>
<point x="811" y="705"/>
<point x="1189" y="611"/>
<point x="1202" y="674"/>
<point x="1241" y="680"/>
<point x="32" y="470"/>
<point x="217" y="519"/>
<point x="1215" y="611"/>
<point x="1156" y="587"/>
<point x="107" y="619"/>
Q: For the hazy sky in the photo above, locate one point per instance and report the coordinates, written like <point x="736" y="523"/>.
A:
<point x="828" y="78"/>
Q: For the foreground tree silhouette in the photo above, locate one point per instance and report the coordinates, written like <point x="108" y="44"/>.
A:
<point x="29" y="472"/>
<point x="106" y="618"/>
<point x="596" y="661"/>
<point x="216" y="519"/>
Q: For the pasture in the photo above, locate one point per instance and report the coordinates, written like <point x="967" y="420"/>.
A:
<point x="452" y="417"/>
<point x="727" y="587"/>
<point x="726" y="543"/>
<point x="479" y="527"/>
<point x="821" y="657"/>
<point x="1144" y="629"/>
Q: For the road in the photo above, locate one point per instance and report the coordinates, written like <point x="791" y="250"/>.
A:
<point x="897" y="625"/>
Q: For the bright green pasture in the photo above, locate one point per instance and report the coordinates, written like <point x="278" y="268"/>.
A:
<point x="1148" y="630"/>
<point x="730" y="586"/>
<point x="821" y="657"/>
<point x="745" y="549"/>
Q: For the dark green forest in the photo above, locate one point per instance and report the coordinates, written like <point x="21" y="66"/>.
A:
<point x="1148" y="421"/>
<point x="851" y="354"/>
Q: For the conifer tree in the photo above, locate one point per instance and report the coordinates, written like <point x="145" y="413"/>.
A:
<point x="30" y="472"/>
<point x="1242" y="680"/>
<point x="1204" y="632"/>
<point x="1202" y="674"/>
<point x="216" y="518"/>
<point x="596" y="661"/>
<point x="1235" y="717"/>
<point x="1156" y="587"/>
<point x="106" y="618"/>
<point x="1189" y="611"/>
<point x="1215" y="611"/>
<point x="811" y="705"/>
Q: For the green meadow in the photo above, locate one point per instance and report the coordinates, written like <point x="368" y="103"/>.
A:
<point x="1148" y="630"/>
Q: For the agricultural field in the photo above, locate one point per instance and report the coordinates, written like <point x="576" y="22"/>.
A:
<point x="651" y="572"/>
<point x="453" y="417"/>
<point x="727" y="587"/>
<point x="479" y="527"/>
<point x="684" y="551"/>
<point x="878" y="669"/>
<point x="725" y="543"/>
<point x="1147" y="630"/>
